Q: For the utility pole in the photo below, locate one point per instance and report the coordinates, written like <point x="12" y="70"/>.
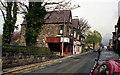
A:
<point x="63" y="37"/>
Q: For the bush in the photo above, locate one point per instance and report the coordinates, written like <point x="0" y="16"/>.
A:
<point x="27" y="50"/>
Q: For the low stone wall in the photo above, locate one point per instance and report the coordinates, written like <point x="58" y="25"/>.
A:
<point x="19" y="59"/>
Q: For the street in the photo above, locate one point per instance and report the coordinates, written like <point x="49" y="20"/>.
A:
<point x="80" y="64"/>
<point x="0" y="51"/>
<point x="0" y="59"/>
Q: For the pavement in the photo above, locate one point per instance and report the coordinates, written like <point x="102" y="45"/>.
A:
<point x="27" y="68"/>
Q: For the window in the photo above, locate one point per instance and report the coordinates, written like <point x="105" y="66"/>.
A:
<point x="78" y="27"/>
<point x="69" y="31"/>
<point x="78" y="37"/>
<point x="61" y="29"/>
<point x="74" y="34"/>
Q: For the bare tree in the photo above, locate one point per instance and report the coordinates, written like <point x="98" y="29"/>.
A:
<point x="83" y="26"/>
<point x="61" y="5"/>
<point x="50" y="5"/>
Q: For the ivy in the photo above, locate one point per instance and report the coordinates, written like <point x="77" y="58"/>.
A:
<point x="35" y="20"/>
<point x="10" y="20"/>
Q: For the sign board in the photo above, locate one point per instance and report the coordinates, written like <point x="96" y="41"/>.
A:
<point x="115" y="37"/>
<point x="74" y="42"/>
<point x="65" y="39"/>
<point x="77" y="42"/>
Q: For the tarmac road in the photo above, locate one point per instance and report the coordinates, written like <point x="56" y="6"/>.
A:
<point x="0" y="59"/>
<point x="80" y="64"/>
<point x="0" y="51"/>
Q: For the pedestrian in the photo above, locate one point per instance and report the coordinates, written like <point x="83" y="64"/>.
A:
<point x="99" y="51"/>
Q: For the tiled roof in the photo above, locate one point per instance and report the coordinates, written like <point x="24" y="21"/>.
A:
<point x="75" y="22"/>
<point x="56" y="16"/>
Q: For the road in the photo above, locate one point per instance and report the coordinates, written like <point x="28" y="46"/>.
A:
<point x="0" y="59"/>
<point x="80" y="64"/>
<point x="0" y="51"/>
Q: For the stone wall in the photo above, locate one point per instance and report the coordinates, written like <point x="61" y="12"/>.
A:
<point x="20" y="59"/>
<point x="50" y="30"/>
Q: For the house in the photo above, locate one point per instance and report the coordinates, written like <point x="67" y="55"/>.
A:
<point x="117" y="36"/>
<point x="76" y="43"/>
<point x="111" y="43"/>
<point x="56" y="33"/>
<point x="114" y="40"/>
<point x="82" y="40"/>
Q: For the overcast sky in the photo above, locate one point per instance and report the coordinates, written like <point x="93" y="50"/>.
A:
<point x="102" y="15"/>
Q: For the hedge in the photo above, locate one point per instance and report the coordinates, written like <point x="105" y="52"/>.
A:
<point x="40" y="51"/>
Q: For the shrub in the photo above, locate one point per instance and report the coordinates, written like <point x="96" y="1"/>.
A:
<point x="27" y="50"/>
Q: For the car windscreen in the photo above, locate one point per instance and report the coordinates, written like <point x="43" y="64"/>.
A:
<point x="105" y="56"/>
<point x="116" y="73"/>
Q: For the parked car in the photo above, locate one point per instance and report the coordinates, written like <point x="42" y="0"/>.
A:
<point x="105" y="56"/>
<point x="111" y="67"/>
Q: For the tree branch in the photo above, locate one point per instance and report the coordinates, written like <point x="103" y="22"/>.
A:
<point x="23" y="4"/>
<point x="2" y="4"/>
<point x="3" y="14"/>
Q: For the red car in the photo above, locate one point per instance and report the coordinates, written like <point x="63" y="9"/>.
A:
<point x="111" y="67"/>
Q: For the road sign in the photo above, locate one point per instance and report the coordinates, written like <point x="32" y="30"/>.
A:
<point x="116" y="37"/>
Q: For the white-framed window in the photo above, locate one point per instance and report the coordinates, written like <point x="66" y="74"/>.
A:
<point x="78" y="37"/>
<point x="74" y="34"/>
<point x="69" y="31"/>
<point x="61" y="29"/>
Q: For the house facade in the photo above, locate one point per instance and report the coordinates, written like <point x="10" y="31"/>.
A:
<point x="56" y="33"/>
<point x="77" y="48"/>
<point x="111" y="43"/>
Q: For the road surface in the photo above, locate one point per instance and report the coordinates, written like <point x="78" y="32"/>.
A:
<point x="0" y="59"/>
<point x="80" y="64"/>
